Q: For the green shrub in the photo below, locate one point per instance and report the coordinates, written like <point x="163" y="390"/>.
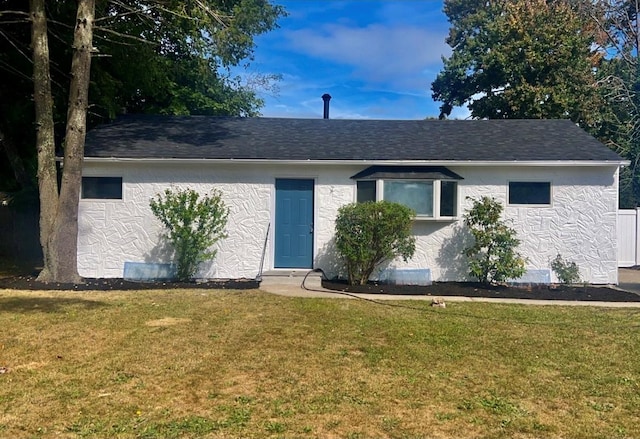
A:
<point x="368" y="234"/>
<point x="493" y="256"/>
<point x="567" y="272"/>
<point x="192" y="226"/>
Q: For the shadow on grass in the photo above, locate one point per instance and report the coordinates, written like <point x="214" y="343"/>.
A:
<point x="45" y="304"/>
<point x="11" y="268"/>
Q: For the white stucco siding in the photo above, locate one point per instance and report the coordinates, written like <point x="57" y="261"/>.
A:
<point x="334" y="189"/>
<point x="113" y="232"/>
<point x="580" y="223"/>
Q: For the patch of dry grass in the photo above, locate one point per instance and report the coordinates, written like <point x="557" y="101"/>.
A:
<point x="196" y="363"/>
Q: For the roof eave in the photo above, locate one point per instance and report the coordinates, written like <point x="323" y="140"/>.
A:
<point x="484" y="163"/>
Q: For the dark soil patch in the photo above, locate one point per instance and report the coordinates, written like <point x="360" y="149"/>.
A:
<point x="29" y="282"/>
<point x="471" y="289"/>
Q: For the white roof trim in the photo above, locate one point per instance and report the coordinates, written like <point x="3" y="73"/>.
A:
<point x="555" y="163"/>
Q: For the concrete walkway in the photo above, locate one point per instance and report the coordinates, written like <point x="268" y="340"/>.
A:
<point x="292" y="287"/>
<point x="629" y="280"/>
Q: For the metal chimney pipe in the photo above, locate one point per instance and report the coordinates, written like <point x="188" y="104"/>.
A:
<point x="326" y="98"/>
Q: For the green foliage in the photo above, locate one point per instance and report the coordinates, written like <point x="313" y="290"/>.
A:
<point x="192" y="226"/>
<point x="368" y="234"/>
<point x="176" y="85"/>
<point x="185" y="69"/>
<point x="518" y="59"/>
<point x="549" y="59"/>
<point x="619" y="85"/>
<point x="493" y="256"/>
<point x="170" y="57"/>
<point x="567" y="272"/>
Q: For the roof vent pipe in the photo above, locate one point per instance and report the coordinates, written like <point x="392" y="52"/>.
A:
<point x="326" y="98"/>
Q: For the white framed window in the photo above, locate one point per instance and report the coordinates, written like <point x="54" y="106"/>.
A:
<point x="529" y="193"/>
<point x="430" y="199"/>
<point x="431" y="191"/>
<point x="101" y="188"/>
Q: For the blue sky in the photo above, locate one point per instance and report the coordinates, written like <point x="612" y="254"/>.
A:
<point x="377" y="59"/>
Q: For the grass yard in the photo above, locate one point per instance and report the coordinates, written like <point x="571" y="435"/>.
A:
<point x="173" y="364"/>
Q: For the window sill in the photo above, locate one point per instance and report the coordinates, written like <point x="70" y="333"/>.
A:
<point x="441" y="219"/>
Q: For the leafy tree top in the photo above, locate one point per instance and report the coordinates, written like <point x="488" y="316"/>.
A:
<point x="150" y="56"/>
<point x="518" y="59"/>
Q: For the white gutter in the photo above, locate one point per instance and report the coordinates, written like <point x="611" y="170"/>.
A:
<point x="554" y="163"/>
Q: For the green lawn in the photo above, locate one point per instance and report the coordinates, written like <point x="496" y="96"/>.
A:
<point x="197" y="363"/>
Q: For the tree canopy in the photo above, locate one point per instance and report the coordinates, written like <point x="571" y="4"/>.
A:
<point x="518" y="59"/>
<point x="171" y="56"/>
<point x="562" y="59"/>
<point x="151" y="56"/>
<point x="618" y="25"/>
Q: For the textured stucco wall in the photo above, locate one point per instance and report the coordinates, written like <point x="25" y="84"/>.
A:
<point x="112" y="232"/>
<point x="580" y="224"/>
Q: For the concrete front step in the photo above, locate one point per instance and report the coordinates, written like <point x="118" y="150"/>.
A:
<point x="292" y="277"/>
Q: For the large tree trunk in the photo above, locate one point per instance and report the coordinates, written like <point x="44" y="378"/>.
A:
<point x="45" y="142"/>
<point x="60" y="236"/>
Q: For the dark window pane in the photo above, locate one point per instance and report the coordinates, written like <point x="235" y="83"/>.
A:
<point x="366" y="191"/>
<point x="107" y="188"/>
<point x="448" y="198"/>
<point x="528" y="192"/>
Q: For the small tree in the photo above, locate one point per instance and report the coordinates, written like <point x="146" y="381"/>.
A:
<point x="192" y="226"/>
<point x="493" y="256"/>
<point x="368" y="234"/>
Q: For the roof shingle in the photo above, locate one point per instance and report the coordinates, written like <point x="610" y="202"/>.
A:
<point x="203" y="137"/>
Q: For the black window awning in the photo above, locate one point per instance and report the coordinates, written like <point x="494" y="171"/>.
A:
<point x="406" y="173"/>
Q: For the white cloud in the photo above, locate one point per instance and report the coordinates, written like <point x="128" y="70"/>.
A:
<point x="376" y="58"/>
<point x="376" y="53"/>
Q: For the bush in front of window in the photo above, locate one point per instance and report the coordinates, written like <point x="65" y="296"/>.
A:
<point x="193" y="225"/>
<point x="493" y="257"/>
<point x="368" y="234"/>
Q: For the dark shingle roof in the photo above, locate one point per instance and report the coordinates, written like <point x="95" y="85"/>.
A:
<point x="196" y="137"/>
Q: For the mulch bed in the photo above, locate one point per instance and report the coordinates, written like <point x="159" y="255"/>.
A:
<point x="29" y="282"/>
<point x="437" y="289"/>
<point x="471" y="289"/>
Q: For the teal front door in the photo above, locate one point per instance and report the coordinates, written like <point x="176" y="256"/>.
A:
<point x="294" y="223"/>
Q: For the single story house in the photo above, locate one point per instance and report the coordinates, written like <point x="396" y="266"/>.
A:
<point x="285" y="179"/>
